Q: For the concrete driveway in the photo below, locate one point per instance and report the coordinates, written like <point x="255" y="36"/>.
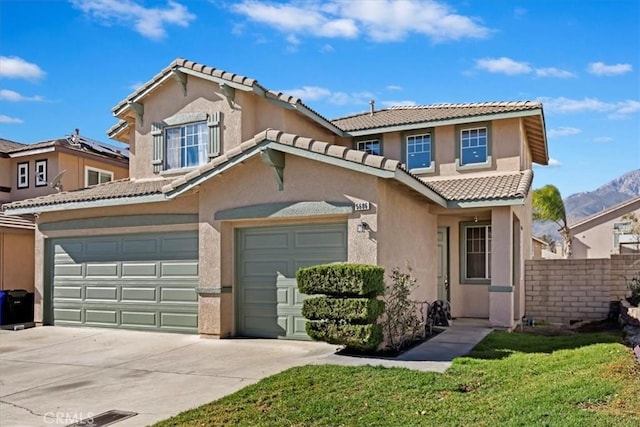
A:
<point x="60" y="375"/>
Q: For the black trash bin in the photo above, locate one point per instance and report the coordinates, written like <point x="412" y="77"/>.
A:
<point x="17" y="307"/>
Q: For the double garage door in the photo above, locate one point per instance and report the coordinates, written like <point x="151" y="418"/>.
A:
<point x="145" y="281"/>
<point x="267" y="300"/>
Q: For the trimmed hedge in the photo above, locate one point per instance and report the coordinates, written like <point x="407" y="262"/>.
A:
<point x="341" y="280"/>
<point x="352" y="310"/>
<point x="360" y="337"/>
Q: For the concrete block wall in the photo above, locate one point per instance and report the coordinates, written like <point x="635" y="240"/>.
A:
<point x="562" y="291"/>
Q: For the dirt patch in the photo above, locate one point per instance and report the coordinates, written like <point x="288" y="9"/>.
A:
<point x="588" y="327"/>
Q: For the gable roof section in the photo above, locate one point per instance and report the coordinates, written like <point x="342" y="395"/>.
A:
<point x="6" y="146"/>
<point x="217" y="76"/>
<point x="469" y="191"/>
<point x="415" y="117"/>
<point x="615" y="211"/>
<point x="112" y="193"/>
<point x="71" y="142"/>
<point x="491" y="189"/>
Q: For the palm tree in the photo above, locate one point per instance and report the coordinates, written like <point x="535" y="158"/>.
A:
<point x="548" y="206"/>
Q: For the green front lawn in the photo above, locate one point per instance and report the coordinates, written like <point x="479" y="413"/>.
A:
<point x="508" y="379"/>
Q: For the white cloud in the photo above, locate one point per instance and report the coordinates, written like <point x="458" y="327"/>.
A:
<point x="393" y="87"/>
<point x="292" y="39"/>
<point x="9" y="120"/>
<point x="148" y="21"/>
<point x="563" y="131"/>
<point x="503" y="65"/>
<point x="16" y="67"/>
<point x="554" y="163"/>
<point x="327" y="48"/>
<point x="135" y="85"/>
<point x="406" y="103"/>
<point x="354" y="98"/>
<point x="616" y="110"/>
<point x="380" y="20"/>
<point x="12" y="96"/>
<point x="603" y="139"/>
<point x="309" y="93"/>
<point x="602" y="69"/>
<point x="554" y="72"/>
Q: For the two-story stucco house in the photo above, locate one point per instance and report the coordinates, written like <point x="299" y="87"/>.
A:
<point x="234" y="187"/>
<point x="28" y="171"/>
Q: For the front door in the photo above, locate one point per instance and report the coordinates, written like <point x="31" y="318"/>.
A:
<point x="443" y="264"/>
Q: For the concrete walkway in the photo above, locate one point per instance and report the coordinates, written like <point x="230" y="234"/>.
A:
<point x="434" y="355"/>
<point x="60" y="375"/>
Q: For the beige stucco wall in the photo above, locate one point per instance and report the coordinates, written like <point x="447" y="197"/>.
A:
<point x="253" y="183"/>
<point x="75" y="167"/>
<point x="5" y="178"/>
<point x="248" y="115"/>
<point x="598" y="240"/>
<point x="16" y="259"/>
<point x="407" y="234"/>
<point x="32" y="190"/>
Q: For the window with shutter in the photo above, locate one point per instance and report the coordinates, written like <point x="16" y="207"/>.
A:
<point x="186" y="140"/>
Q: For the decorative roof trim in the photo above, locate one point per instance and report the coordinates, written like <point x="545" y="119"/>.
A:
<point x="86" y="204"/>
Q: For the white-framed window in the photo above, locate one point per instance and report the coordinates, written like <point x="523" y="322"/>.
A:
<point x="371" y="146"/>
<point x="474" y="146"/>
<point x="41" y="173"/>
<point x="23" y="175"/>
<point x="95" y="176"/>
<point x="186" y="145"/>
<point x="419" y="151"/>
<point x="475" y="252"/>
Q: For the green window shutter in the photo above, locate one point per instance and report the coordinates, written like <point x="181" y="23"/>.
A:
<point x="215" y="133"/>
<point x="157" y="131"/>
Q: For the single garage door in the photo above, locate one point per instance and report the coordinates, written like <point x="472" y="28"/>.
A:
<point x="138" y="281"/>
<point x="268" y="303"/>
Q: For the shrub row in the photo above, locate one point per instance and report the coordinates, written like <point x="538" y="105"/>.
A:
<point x="359" y="337"/>
<point x="352" y="310"/>
<point x="341" y="280"/>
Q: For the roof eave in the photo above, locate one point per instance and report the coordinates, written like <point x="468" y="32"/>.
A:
<point x="118" y="201"/>
<point x="485" y="203"/>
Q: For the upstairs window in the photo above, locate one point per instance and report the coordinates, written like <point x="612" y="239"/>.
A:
<point x="186" y="145"/>
<point x="371" y="146"/>
<point x="473" y="146"/>
<point x="186" y="140"/>
<point x="419" y="151"/>
<point x="94" y="176"/>
<point x="23" y="175"/>
<point x="41" y="173"/>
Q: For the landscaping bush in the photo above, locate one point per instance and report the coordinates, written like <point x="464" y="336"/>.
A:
<point x="360" y="337"/>
<point x="341" y="280"/>
<point x="634" y="286"/>
<point x="352" y="310"/>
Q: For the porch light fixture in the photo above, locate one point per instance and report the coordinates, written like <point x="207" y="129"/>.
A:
<point x="363" y="226"/>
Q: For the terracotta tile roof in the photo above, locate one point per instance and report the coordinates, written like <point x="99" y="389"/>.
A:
<point x="485" y="187"/>
<point x="16" y="221"/>
<point x="7" y="146"/>
<point x="308" y="144"/>
<point x="123" y="188"/>
<point x="215" y="72"/>
<point x="428" y="113"/>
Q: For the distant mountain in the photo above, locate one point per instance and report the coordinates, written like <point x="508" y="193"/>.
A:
<point x="582" y="205"/>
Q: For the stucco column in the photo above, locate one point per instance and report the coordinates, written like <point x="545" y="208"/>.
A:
<point x="501" y="295"/>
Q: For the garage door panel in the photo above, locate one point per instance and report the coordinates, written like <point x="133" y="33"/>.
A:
<point x="127" y="281"/>
<point x="268" y="302"/>
<point x="134" y="270"/>
<point x="101" y="270"/>
<point x="103" y="293"/>
<point x="178" y="295"/>
<point x="182" y="269"/>
<point x="138" y="294"/>
<point x="101" y="317"/>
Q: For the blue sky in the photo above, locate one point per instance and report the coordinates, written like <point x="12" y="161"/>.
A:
<point x="65" y="64"/>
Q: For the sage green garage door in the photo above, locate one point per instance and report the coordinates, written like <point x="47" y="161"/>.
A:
<point x="140" y="281"/>
<point x="267" y="302"/>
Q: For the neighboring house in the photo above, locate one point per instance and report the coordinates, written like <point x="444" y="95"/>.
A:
<point x="607" y="232"/>
<point x="234" y="187"/>
<point x="537" y="246"/>
<point x="28" y="171"/>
